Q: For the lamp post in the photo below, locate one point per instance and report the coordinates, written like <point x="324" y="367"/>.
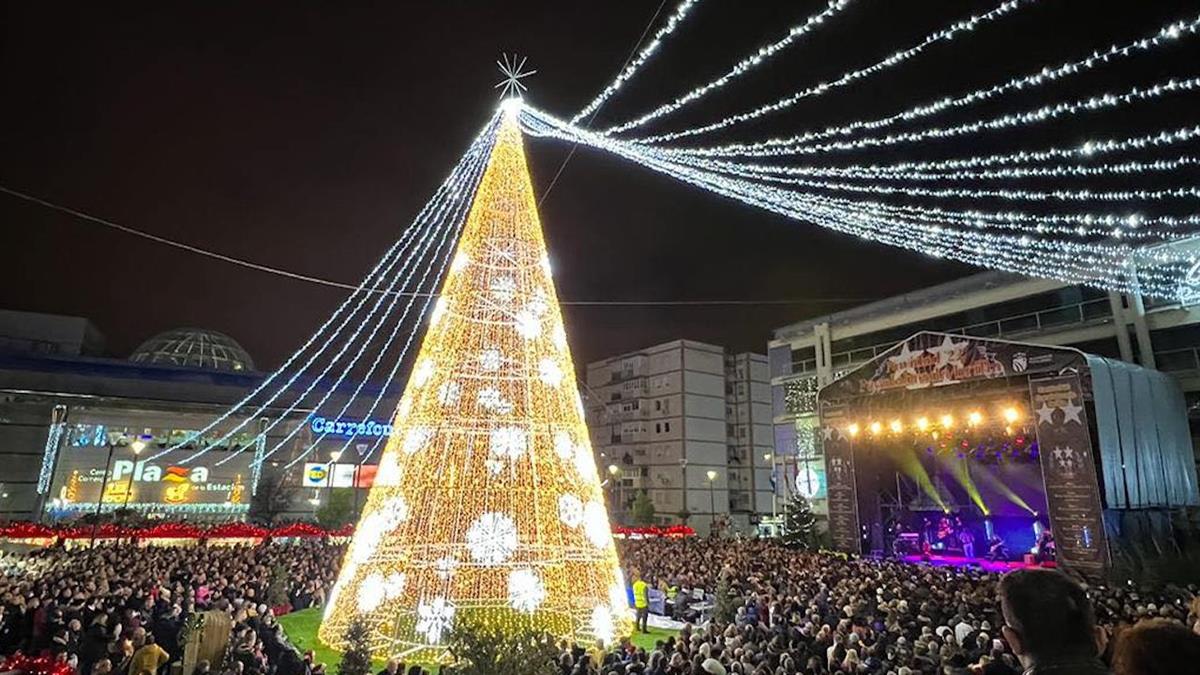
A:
<point x="712" y="499"/>
<point x="334" y="456"/>
<point x="614" y="470"/>
<point x="137" y="446"/>
<point x="103" y="486"/>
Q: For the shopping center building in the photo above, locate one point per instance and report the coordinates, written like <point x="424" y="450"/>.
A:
<point x="807" y="355"/>
<point x="82" y="432"/>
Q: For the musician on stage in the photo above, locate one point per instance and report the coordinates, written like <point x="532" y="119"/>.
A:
<point x="968" y="542"/>
<point x="1045" y="546"/>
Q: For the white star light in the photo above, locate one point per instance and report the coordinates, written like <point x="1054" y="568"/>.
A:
<point x="439" y="310"/>
<point x="1045" y="414"/>
<point x="434" y="619"/>
<point x="461" y="260"/>
<point x="560" y="337"/>
<point x="585" y="464"/>
<point x="525" y="590"/>
<point x="372" y="529"/>
<point x="492" y="538"/>
<point x="570" y="510"/>
<point x="448" y="393"/>
<point x="393" y="585"/>
<point x="445" y="567"/>
<point x="491" y="359"/>
<point x="416" y="438"/>
<point x="595" y="524"/>
<point x="389" y="470"/>
<point x="422" y="372"/>
<point x="527" y="324"/>
<point x="503" y="288"/>
<point x="508" y="442"/>
<point x="491" y="399"/>
<point x="549" y="372"/>
<point x="370" y="593"/>
<point x="1071" y="412"/>
<point x="564" y="447"/>
<point x="602" y="624"/>
<point x="513" y="74"/>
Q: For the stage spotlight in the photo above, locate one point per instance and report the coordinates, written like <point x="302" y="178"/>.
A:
<point x="1011" y="415"/>
<point x="922" y="423"/>
<point x="875" y="428"/>
<point x="975" y="418"/>
<point x="948" y="421"/>
<point x="852" y="429"/>
<point x="896" y="426"/>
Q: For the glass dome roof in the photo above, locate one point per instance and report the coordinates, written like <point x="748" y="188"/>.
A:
<point x="194" y="348"/>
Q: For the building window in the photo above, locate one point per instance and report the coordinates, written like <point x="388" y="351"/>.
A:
<point x="657" y="428"/>
<point x="658" y="405"/>
<point x="667" y="426"/>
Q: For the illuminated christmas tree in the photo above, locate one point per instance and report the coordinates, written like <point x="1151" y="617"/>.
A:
<point x="487" y="506"/>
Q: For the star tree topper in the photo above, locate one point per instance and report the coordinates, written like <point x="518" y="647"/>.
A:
<point x="513" y="71"/>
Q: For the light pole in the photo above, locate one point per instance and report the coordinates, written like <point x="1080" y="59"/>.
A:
<point x="712" y="500"/>
<point x="768" y="458"/>
<point x="137" y="446"/>
<point x="103" y="486"/>
<point x="334" y="456"/>
<point x="614" y="470"/>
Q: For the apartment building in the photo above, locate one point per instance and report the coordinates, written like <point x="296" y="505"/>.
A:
<point x="689" y="424"/>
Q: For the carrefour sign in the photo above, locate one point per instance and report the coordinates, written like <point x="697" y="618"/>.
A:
<point x="349" y="428"/>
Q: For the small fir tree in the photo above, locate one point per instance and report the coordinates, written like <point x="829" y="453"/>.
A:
<point x="356" y="660"/>
<point x="725" y="603"/>
<point x="799" y="524"/>
<point x="643" y="509"/>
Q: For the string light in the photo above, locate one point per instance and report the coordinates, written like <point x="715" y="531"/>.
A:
<point x="1160" y="271"/>
<point x="493" y="514"/>
<point x="1167" y="35"/>
<point x="422" y="226"/>
<point x="677" y="17"/>
<point x="449" y="234"/>
<point x="1042" y="114"/>
<point x="741" y="68"/>
<point x="895" y="59"/>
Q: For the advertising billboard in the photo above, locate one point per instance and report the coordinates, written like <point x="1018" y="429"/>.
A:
<point x="322" y="474"/>
<point x="87" y="476"/>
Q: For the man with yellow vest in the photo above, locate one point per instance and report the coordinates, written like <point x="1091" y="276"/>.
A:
<point x="641" y="601"/>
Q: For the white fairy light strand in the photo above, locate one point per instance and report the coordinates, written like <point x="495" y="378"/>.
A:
<point x="363" y="290"/>
<point x="741" y="68"/>
<point x="1160" y="272"/>
<point x="1167" y="35"/>
<point x="1042" y="114"/>
<point x="677" y="17"/>
<point x="391" y="257"/>
<point x="895" y="59"/>
<point x="457" y="196"/>
<point x="887" y="172"/>
<point x="458" y="220"/>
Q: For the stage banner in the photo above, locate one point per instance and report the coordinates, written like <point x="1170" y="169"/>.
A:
<point x="840" y="487"/>
<point x="1069" y="473"/>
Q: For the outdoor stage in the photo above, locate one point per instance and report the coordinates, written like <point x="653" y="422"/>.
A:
<point x="997" y="566"/>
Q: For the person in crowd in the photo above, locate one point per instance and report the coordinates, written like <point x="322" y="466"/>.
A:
<point x="1049" y="623"/>
<point x="641" y="602"/>
<point x="1156" y="647"/>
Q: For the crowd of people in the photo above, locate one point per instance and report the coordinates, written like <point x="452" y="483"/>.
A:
<point x="120" y="610"/>
<point x="787" y="612"/>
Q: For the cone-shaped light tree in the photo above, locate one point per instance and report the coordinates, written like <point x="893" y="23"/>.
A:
<point x="487" y="507"/>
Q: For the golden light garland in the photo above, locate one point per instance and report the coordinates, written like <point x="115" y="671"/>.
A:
<point x="487" y="507"/>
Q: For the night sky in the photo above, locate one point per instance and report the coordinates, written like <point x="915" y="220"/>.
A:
<point x="306" y="135"/>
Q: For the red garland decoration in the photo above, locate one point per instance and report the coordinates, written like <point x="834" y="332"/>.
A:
<point x="37" y="665"/>
<point x="655" y="531"/>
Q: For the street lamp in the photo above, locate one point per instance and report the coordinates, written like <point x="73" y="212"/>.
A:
<point x="137" y="447"/>
<point x="712" y="499"/>
<point x="613" y="470"/>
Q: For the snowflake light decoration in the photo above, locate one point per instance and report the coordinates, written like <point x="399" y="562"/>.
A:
<point x="549" y="372"/>
<point x="416" y="438"/>
<point x="570" y="510"/>
<point x="595" y="524"/>
<point x="492" y="539"/>
<point x="525" y="590"/>
<point x="508" y="443"/>
<point x="434" y="619"/>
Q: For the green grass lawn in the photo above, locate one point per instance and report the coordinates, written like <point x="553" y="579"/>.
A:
<point x="301" y="629"/>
